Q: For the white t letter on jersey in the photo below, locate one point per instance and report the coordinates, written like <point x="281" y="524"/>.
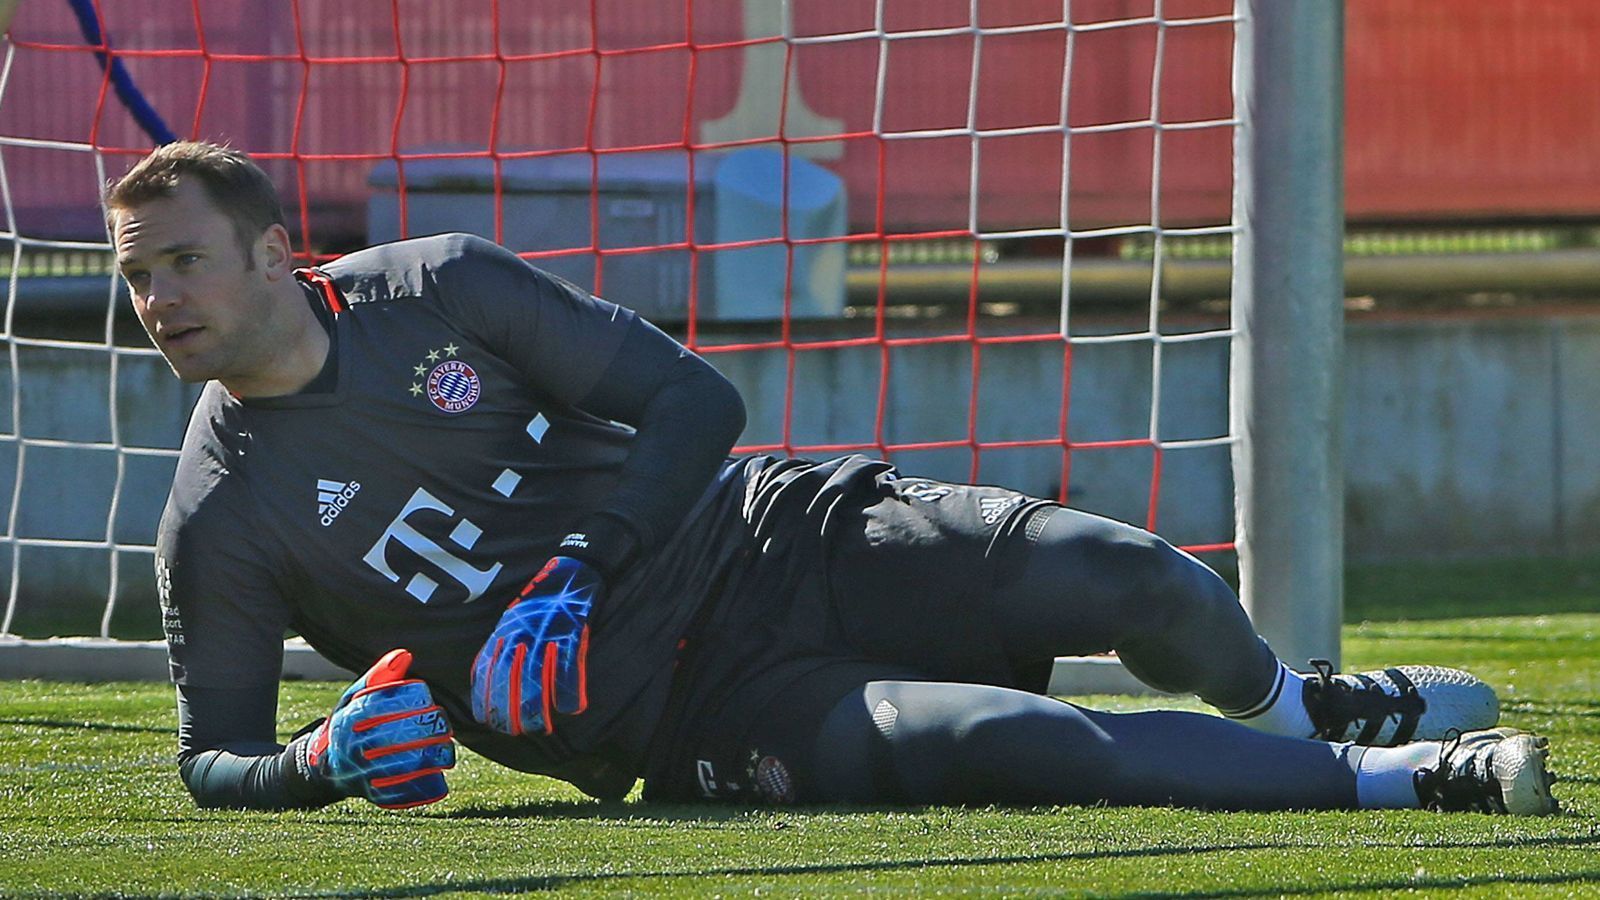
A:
<point x="465" y="534"/>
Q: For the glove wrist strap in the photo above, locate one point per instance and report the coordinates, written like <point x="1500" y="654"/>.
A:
<point x="604" y="541"/>
<point x="300" y="777"/>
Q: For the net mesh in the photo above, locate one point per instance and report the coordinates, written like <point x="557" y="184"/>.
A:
<point x="987" y="240"/>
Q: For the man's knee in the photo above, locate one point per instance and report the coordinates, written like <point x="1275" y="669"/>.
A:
<point x="1141" y="580"/>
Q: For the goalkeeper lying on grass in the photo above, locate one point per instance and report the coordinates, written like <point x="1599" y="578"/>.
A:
<point x="431" y="445"/>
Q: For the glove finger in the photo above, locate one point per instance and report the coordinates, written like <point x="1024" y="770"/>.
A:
<point x="505" y="687"/>
<point x="416" y="789"/>
<point x="437" y="753"/>
<point x="412" y="729"/>
<point x="440" y="756"/>
<point x="492" y="697"/>
<point x="376" y="705"/>
<point x="572" y="675"/>
<point x="385" y="780"/>
<point x="497" y="693"/>
<point x="528" y="706"/>
<point x="482" y="681"/>
<point x="547" y="683"/>
<point x="390" y="668"/>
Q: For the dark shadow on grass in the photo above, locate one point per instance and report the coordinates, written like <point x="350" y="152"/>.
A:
<point x="558" y="882"/>
<point x="655" y="812"/>
<point x="83" y="726"/>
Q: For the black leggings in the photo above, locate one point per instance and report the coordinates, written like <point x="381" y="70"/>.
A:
<point x="941" y="742"/>
<point x="1093" y="585"/>
<point x="1077" y="584"/>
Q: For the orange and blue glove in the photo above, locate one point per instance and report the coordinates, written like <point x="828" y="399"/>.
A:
<point x="386" y="740"/>
<point x="534" y="663"/>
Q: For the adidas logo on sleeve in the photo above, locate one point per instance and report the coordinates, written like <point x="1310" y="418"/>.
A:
<point x="333" y="497"/>
<point x="994" y="508"/>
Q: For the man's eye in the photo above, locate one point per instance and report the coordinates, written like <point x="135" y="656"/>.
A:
<point x="136" y="278"/>
<point x="186" y="259"/>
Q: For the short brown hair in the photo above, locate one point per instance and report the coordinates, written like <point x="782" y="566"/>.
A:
<point x="234" y="183"/>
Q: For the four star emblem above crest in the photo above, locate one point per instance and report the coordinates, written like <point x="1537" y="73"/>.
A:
<point x="420" y="370"/>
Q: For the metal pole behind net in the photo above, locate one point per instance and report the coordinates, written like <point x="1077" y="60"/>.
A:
<point x="1288" y="291"/>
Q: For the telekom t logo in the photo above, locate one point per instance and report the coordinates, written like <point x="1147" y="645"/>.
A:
<point x="464" y="535"/>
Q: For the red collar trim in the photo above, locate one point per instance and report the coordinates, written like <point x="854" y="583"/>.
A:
<point x="323" y="283"/>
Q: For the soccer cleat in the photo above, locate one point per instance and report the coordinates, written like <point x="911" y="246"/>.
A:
<point x="1497" y="771"/>
<point x="1396" y="705"/>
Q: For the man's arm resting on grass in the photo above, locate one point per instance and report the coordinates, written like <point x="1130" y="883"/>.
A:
<point x="386" y="740"/>
<point x="228" y="755"/>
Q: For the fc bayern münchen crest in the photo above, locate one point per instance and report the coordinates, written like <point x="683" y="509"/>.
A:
<point x="770" y="777"/>
<point x="453" y="386"/>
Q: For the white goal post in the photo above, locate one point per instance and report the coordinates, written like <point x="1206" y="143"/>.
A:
<point x="1288" y="307"/>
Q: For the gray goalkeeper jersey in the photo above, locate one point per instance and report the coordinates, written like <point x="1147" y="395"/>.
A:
<point x="406" y="506"/>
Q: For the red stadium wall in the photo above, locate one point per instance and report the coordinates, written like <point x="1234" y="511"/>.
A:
<point x="1483" y="110"/>
<point x="1472" y="110"/>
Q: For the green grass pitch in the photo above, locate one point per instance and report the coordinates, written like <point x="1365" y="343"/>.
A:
<point x="90" y="802"/>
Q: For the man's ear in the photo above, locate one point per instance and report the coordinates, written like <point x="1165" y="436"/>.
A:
<point x="274" y="254"/>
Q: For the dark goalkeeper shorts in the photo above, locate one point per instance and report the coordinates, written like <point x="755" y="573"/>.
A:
<point x="901" y="589"/>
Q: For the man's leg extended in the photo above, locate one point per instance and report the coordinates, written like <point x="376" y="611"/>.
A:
<point x="942" y="742"/>
<point x="845" y="731"/>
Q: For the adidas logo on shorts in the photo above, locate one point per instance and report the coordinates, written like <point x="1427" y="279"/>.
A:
<point x="333" y="497"/>
<point x="993" y="509"/>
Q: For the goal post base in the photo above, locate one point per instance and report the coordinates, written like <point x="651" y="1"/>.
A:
<point x="1077" y="675"/>
<point x="93" y="659"/>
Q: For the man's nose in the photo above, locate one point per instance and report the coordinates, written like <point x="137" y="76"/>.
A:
<point x="164" y="292"/>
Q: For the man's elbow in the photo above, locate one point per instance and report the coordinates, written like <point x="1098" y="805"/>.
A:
<point x="192" y="767"/>
<point x="246" y="776"/>
<point x="731" y="404"/>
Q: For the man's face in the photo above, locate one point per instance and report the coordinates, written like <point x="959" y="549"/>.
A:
<point x="197" y="293"/>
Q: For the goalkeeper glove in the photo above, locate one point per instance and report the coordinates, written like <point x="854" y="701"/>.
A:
<point x="386" y="740"/>
<point x="534" y="663"/>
